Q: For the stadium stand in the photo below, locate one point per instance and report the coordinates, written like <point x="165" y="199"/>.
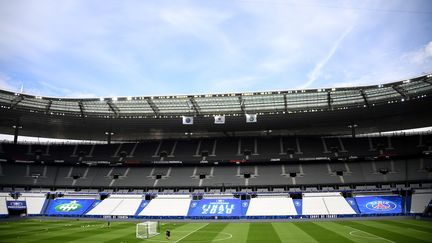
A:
<point x="3" y="207"/>
<point x="337" y="205"/>
<point x="128" y="206"/>
<point x="311" y="153"/>
<point x="364" y="175"/>
<point x="106" y="207"/>
<point x="34" y="202"/>
<point x="420" y="200"/>
<point x="314" y="206"/>
<point x="325" y="204"/>
<point x="229" y="149"/>
<point x="268" y="206"/>
<point x="167" y="205"/>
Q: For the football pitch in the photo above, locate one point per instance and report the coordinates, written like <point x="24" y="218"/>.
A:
<point x="329" y="231"/>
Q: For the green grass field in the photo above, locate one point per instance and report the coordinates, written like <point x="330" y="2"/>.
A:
<point x="334" y="231"/>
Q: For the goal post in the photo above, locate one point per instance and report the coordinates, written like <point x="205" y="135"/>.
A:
<point x="147" y="229"/>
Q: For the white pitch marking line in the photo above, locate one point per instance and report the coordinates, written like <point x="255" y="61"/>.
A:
<point x="377" y="237"/>
<point x="221" y="239"/>
<point x="191" y="233"/>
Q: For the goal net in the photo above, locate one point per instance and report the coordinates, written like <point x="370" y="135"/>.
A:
<point x="147" y="229"/>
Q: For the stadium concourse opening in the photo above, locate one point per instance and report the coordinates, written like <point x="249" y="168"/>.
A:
<point x="269" y="167"/>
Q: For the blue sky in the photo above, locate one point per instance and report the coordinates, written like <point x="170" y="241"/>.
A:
<point x="91" y="48"/>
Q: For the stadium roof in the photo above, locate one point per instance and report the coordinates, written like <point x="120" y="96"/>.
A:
<point x="261" y="103"/>
<point x="379" y="108"/>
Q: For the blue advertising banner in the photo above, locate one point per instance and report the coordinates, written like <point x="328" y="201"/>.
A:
<point x="217" y="207"/>
<point x="298" y="204"/>
<point x="245" y="206"/>
<point x="16" y="205"/>
<point x="352" y="202"/>
<point x="69" y="206"/>
<point x="95" y="203"/>
<point x="143" y="204"/>
<point x="379" y="204"/>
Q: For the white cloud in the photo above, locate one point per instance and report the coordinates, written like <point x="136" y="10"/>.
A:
<point x="421" y="56"/>
<point x="164" y="47"/>
<point x="235" y="84"/>
<point x="274" y="65"/>
<point x="7" y="83"/>
<point x="316" y="71"/>
<point x="81" y="95"/>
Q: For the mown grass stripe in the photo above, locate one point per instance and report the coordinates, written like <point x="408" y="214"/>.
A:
<point x="191" y="232"/>
<point x="400" y="230"/>
<point x="124" y="235"/>
<point x="312" y="232"/>
<point x="126" y="231"/>
<point x="262" y="232"/>
<point x="381" y="232"/>
<point x="320" y="233"/>
<point x="131" y="234"/>
<point x="236" y="232"/>
<point x="416" y="222"/>
<point x="24" y="223"/>
<point x="207" y="233"/>
<point x="410" y="226"/>
<point x="345" y="231"/>
<point x="171" y="226"/>
<point x="288" y="232"/>
<point x="23" y="231"/>
<point x="81" y="234"/>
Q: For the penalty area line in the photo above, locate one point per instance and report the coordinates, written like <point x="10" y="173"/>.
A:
<point x="191" y="233"/>
<point x="377" y="237"/>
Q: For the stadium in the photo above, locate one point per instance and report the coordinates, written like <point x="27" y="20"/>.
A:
<point x="337" y="164"/>
<point x="242" y="165"/>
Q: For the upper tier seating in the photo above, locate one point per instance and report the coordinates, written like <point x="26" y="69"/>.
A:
<point x="221" y="149"/>
<point x="293" y="175"/>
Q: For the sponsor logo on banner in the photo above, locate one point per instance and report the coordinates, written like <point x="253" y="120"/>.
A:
<point x="219" y="119"/>
<point x="68" y="207"/>
<point x="17" y="205"/>
<point x="187" y="120"/>
<point x="250" y="118"/>
<point x="216" y="207"/>
<point x="382" y="205"/>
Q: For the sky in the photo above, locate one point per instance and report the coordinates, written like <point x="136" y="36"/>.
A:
<point x="111" y="48"/>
